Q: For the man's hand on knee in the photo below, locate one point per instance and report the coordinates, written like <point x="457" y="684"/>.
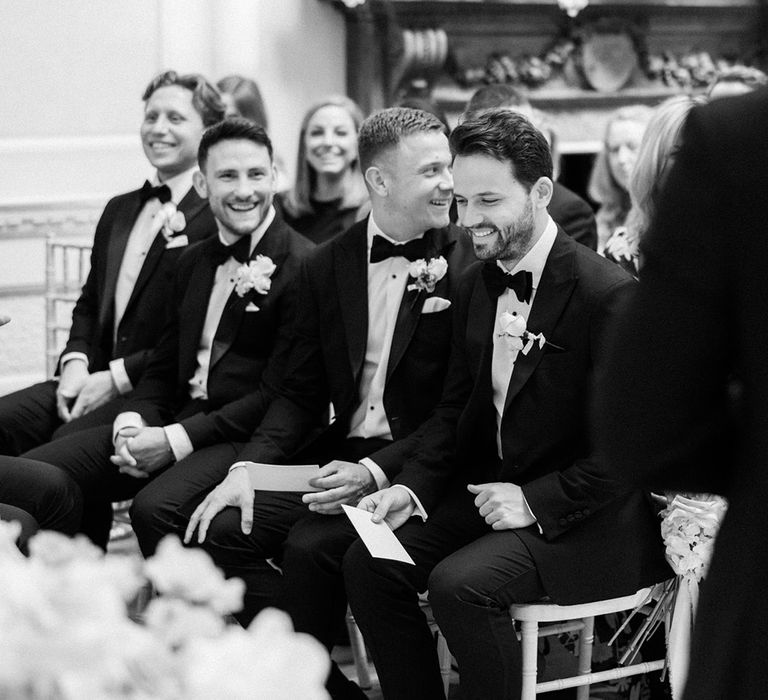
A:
<point x="236" y="490"/>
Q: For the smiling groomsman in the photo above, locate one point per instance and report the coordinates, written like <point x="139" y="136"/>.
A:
<point x="373" y="338"/>
<point x="512" y="501"/>
<point x="222" y="353"/>
<point x="119" y="316"/>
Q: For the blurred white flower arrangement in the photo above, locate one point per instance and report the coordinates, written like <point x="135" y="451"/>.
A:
<point x="66" y="634"/>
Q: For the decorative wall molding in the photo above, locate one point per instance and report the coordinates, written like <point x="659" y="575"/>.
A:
<point x="72" y="218"/>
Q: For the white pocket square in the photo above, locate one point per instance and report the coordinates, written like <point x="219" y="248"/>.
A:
<point x="177" y="242"/>
<point x="251" y="307"/>
<point x="434" y="304"/>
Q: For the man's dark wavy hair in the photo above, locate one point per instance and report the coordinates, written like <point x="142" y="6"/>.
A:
<point x="205" y="98"/>
<point x="508" y="137"/>
<point x="232" y="129"/>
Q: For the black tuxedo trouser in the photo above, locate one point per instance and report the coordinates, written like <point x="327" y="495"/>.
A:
<point x="29" y="525"/>
<point x="46" y="493"/>
<point x="274" y="516"/>
<point x="28" y="418"/>
<point x="473" y="574"/>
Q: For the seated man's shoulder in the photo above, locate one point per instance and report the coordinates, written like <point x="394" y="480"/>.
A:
<point x="597" y="272"/>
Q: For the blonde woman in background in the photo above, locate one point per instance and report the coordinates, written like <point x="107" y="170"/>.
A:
<point x="609" y="181"/>
<point x="329" y="194"/>
<point x="654" y="157"/>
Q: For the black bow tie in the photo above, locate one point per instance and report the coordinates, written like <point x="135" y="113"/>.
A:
<point x="162" y="192"/>
<point x="381" y="249"/>
<point x="496" y="281"/>
<point x="240" y="251"/>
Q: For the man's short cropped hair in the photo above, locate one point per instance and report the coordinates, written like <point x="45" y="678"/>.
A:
<point x="505" y="136"/>
<point x="493" y="96"/>
<point x="383" y="130"/>
<point x="232" y="129"/>
<point x="205" y="98"/>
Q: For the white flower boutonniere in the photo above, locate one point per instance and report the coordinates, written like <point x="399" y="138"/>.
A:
<point x="427" y="273"/>
<point x="255" y="274"/>
<point x="518" y="337"/>
<point x="171" y="220"/>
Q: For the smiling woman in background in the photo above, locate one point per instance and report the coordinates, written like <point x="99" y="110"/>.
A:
<point x="329" y="194"/>
<point x="609" y="181"/>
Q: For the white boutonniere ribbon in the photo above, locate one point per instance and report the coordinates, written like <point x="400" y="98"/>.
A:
<point x="517" y="336"/>
<point x="170" y="221"/>
<point x="256" y="274"/>
<point x="426" y="274"/>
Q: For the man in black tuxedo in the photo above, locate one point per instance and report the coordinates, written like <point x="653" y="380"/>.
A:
<point x="691" y="414"/>
<point x="515" y="507"/>
<point x="119" y="316"/>
<point x="374" y="341"/>
<point x="567" y="209"/>
<point x="222" y="353"/>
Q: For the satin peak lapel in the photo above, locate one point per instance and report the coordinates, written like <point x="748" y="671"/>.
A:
<point x="555" y="289"/>
<point x="118" y="239"/>
<point x="351" y="272"/>
<point x="193" y="312"/>
<point x="191" y="205"/>
<point x="273" y="245"/>
<point x="411" y="304"/>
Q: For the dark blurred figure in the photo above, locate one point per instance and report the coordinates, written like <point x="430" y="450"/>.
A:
<point x="569" y="210"/>
<point x="242" y="98"/>
<point x="667" y="415"/>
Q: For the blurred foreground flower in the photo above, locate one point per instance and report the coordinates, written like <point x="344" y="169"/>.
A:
<point x="66" y="634"/>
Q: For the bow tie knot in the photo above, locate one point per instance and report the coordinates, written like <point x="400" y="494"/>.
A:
<point x="240" y="251"/>
<point x="496" y="281"/>
<point x="161" y="192"/>
<point x="381" y="249"/>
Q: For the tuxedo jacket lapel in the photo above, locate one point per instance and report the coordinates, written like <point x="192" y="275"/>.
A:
<point x="411" y="304"/>
<point x="118" y="239"/>
<point x="555" y="288"/>
<point x="194" y="308"/>
<point x="272" y="244"/>
<point x="351" y="273"/>
<point x="191" y="205"/>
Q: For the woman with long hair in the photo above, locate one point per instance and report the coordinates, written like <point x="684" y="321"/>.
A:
<point x="609" y="181"/>
<point x="329" y="194"/>
<point x="654" y="157"/>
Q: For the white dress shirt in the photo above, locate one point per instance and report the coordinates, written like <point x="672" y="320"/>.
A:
<point x="386" y="285"/>
<point x="504" y="357"/>
<point x="224" y="283"/>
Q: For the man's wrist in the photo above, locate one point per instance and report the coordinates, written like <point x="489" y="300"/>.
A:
<point x="237" y="465"/>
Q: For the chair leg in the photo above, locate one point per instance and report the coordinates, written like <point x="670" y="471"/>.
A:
<point x="444" y="658"/>
<point x="586" y="642"/>
<point x="529" y="634"/>
<point x="359" y="654"/>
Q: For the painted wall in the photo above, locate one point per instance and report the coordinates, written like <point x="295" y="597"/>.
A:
<point x="72" y="75"/>
<point x="73" y="72"/>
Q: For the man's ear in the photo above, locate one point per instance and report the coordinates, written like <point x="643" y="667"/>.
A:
<point x="201" y="186"/>
<point x="376" y="180"/>
<point x="541" y="192"/>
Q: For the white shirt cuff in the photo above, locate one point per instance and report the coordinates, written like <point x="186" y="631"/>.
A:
<point x="181" y="445"/>
<point x="376" y="472"/>
<point x="127" y="419"/>
<point x="419" y="508"/>
<point x="120" y="376"/>
<point x="73" y="356"/>
<point x="533" y="515"/>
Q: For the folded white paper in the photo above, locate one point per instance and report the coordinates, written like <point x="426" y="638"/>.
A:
<point x="282" y="477"/>
<point x="377" y="537"/>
